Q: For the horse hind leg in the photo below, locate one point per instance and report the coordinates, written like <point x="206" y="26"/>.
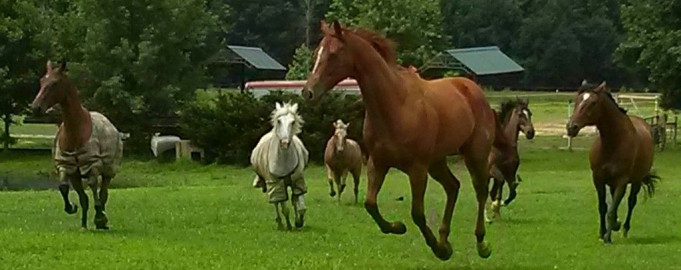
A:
<point x="376" y="174"/>
<point x="418" y="178"/>
<point x="64" y="190"/>
<point x="355" y="176"/>
<point x="100" y="216"/>
<point x="443" y="175"/>
<point x="277" y="211"/>
<point x="633" y="194"/>
<point x="617" y="224"/>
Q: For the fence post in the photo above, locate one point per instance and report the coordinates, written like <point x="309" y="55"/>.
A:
<point x="569" y="114"/>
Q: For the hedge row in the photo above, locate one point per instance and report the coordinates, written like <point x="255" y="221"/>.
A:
<point x="229" y="126"/>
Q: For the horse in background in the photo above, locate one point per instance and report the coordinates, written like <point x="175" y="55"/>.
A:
<point x="412" y="125"/>
<point x="87" y="145"/>
<point x="622" y="154"/>
<point x="279" y="160"/>
<point x="516" y="117"/>
<point x="342" y="155"/>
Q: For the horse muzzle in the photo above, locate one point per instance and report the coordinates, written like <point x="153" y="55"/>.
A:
<point x="285" y="143"/>
<point x="572" y="129"/>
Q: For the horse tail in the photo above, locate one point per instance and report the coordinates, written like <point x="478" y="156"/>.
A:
<point x="649" y="183"/>
<point x="500" y="140"/>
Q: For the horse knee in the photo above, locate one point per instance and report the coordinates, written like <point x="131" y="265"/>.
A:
<point x="418" y="217"/>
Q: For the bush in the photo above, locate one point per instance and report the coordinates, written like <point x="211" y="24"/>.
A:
<point x="229" y="126"/>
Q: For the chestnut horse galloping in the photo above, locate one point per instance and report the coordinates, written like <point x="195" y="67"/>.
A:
<point x="87" y="145"/>
<point x="411" y="124"/>
<point x="621" y="155"/>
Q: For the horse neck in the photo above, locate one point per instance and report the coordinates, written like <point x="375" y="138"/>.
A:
<point x="381" y="87"/>
<point x="613" y="125"/>
<point x="511" y="129"/>
<point x="76" y="119"/>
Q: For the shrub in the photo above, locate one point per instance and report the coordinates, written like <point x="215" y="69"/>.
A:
<point x="229" y="126"/>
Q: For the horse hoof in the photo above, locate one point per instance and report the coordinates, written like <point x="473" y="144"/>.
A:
<point x="484" y="250"/>
<point x="71" y="209"/>
<point x="300" y="222"/>
<point x="617" y="226"/>
<point x="444" y="252"/>
<point x="398" y="227"/>
<point x="625" y="233"/>
<point x="332" y="193"/>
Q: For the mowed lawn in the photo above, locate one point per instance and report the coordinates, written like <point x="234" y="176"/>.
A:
<point x="189" y="216"/>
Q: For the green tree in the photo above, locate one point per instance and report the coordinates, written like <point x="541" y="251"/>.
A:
<point x="415" y="25"/>
<point x="134" y="63"/>
<point x="653" y="36"/>
<point x="469" y="23"/>
<point x="300" y="68"/>
<point x="22" y="48"/>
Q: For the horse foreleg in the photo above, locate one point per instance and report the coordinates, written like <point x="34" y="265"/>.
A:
<point x="376" y="174"/>
<point x="441" y="173"/>
<point x="477" y="167"/>
<point x="280" y="225"/>
<point x="611" y="220"/>
<point x="64" y="190"/>
<point x="602" y="207"/>
<point x="633" y="194"/>
<point x="330" y="176"/>
<point x="285" y="211"/>
<point x="617" y="224"/>
<point x="341" y="185"/>
<point x="299" y="208"/>
<point x="77" y="184"/>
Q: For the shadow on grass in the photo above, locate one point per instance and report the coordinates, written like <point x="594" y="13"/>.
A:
<point x="647" y="240"/>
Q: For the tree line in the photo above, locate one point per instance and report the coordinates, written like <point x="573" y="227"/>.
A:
<point x="136" y="59"/>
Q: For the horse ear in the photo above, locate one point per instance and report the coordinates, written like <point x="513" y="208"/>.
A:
<point x="347" y="125"/>
<point x="337" y="29"/>
<point x="584" y="82"/>
<point x="601" y="87"/>
<point x="527" y="101"/>
<point x="294" y="107"/>
<point x="62" y="66"/>
<point x="48" y="66"/>
<point x="335" y="125"/>
<point x="278" y="105"/>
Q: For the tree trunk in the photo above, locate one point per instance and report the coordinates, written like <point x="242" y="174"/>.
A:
<point x="8" y="121"/>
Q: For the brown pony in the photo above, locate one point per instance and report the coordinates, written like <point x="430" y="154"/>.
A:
<point x="87" y="145"/>
<point x="342" y="155"/>
<point x="515" y="117"/>
<point x="411" y="124"/>
<point x="621" y="155"/>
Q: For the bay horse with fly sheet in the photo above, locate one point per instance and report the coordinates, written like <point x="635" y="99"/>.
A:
<point x="87" y="145"/>
<point x="621" y="155"/>
<point x="516" y="117"/>
<point x="411" y="124"/>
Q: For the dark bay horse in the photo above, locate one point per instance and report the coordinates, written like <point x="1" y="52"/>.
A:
<point x="516" y="117"/>
<point x="411" y="124"/>
<point x="621" y="155"/>
<point x="87" y="145"/>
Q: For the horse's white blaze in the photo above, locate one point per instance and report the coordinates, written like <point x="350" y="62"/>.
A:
<point x="319" y="56"/>
<point x="527" y="114"/>
<point x="585" y="97"/>
<point x="285" y="127"/>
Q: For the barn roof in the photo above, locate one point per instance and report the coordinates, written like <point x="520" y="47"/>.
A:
<point x="479" y="60"/>
<point x="251" y="56"/>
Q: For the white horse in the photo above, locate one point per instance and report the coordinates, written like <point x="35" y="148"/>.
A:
<point x="279" y="160"/>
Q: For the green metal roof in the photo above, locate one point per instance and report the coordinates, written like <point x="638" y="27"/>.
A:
<point x="485" y="60"/>
<point x="256" y="57"/>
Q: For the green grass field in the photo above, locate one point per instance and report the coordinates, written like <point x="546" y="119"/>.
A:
<point x="188" y="216"/>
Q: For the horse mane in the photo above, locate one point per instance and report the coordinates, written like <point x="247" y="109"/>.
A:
<point x="384" y="46"/>
<point x="588" y="87"/>
<point x="286" y="109"/>
<point x="507" y="107"/>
